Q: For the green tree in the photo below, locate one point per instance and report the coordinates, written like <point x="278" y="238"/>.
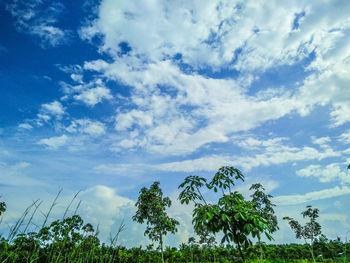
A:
<point x="265" y="207"/>
<point x="2" y="207"/>
<point x="236" y="217"/>
<point x="151" y="207"/>
<point x="310" y="231"/>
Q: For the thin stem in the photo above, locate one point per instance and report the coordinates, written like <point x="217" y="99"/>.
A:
<point x="31" y="218"/>
<point x="74" y="197"/>
<point x="51" y="207"/>
<point x="201" y="196"/>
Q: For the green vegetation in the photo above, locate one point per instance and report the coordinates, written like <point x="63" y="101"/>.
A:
<point x="310" y="231"/>
<point x="239" y="220"/>
<point x="151" y="208"/>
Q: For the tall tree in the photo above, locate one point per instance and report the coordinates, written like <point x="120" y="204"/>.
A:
<point x="236" y="217"/>
<point x="151" y="208"/>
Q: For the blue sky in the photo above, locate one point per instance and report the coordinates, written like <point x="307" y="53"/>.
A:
<point x="106" y="97"/>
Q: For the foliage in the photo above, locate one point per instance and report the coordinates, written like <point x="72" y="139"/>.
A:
<point x="310" y="231"/>
<point x="72" y="240"/>
<point x="235" y="217"/>
<point x="69" y="239"/>
<point x="2" y="207"/>
<point x="151" y="206"/>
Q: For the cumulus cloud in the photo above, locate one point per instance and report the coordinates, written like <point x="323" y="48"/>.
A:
<point x="225" y="31"/>
<point x="191" y="112"/>
<point x="177" y="111"/>
<point x="103" y="206"/>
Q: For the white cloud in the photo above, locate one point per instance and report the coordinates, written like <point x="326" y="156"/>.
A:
<point x="25" y="126"/>
<point x="77" y="77"/>
<point x="39" y="18"/>
<point x="93" y="96"/>
<point x="191" y="113"/>
<point x="284" y="154"/>
<point x="257" y="35"/>
<point x="50" y="111"/>
<point x="50" y="35"/>
<point x="311" y="196"/>
<point x="93" y="128"/>
<point x="209" y="163"/>
<point x="345" y="137"/>
<point x="264" y="153"/>
<point x="320" y="141"/>
<point x="160" y="30"/>
<point x="54" y="108"/>
<point x="54" y="142"/>
<point x="126" y="120"/>
<point x="326" y="174"/>
<point x="103" y="206"/>
<point x="177" y="111"/>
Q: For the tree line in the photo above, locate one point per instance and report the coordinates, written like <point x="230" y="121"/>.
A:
<point x="238" y="219"/>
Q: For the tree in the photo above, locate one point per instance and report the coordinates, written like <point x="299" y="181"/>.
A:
<point x="236" y="217"/>
<point x="151" y="206"/>
<point x="265" y="207"/>
<point x="310" y="231"/>
<point x="2" y="207"/>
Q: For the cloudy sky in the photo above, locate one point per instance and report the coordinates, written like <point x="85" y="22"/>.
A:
<point x="109" y="96"/>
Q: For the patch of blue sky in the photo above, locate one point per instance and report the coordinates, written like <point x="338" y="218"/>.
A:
<point x="223" y="73"/>
<point x="298" y="17"/>
<point x="288" y="77"/>
<point x="296" y="127"/>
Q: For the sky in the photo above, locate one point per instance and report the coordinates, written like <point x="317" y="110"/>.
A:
<point x="106" y="97"/>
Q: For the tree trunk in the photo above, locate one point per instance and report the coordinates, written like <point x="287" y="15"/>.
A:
<point x="239" y="247"/>
<point x="311" y="249"/>
<point x="312" y="253"/>
<point x="240" y="251"/>
<point x="161" y="247"/>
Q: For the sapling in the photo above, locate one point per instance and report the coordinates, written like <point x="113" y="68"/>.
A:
<point x="310" y="231"/>
<point x="151" y="206"/>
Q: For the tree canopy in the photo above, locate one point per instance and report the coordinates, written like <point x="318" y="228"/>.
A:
<point x="233" y="215"/>
<point x="151" y="208"/>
